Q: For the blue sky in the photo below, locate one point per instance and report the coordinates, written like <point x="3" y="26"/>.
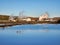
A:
<point x="30" y="7"/>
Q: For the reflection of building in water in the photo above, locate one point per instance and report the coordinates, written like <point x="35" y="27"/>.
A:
<point x="19" y="31"/>
<point x="46" y="30"/>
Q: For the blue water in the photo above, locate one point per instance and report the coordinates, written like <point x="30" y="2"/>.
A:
<point x="37" y="34"/>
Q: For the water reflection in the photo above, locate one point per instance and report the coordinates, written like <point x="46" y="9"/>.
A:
<point x="30" y="35"/>
<point x="19" y="32"/>
<point x="33" y="27"/>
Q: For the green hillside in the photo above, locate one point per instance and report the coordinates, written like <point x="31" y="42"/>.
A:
<point x="4" y="17"/>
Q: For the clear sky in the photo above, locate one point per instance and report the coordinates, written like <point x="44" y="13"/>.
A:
<point x="30" y="7"/>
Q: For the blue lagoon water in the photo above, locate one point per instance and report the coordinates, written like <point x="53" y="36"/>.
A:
<point x="37" y="34"/>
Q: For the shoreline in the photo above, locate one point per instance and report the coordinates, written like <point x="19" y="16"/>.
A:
<point x="8" y="24"/>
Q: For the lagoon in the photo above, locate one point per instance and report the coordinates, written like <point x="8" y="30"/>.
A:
<point x="31" y="34"/>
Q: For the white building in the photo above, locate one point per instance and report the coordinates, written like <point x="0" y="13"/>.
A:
<point x="44" y="16"/>
<point x="28" y="19"/>
<point x="11" y="18"/>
